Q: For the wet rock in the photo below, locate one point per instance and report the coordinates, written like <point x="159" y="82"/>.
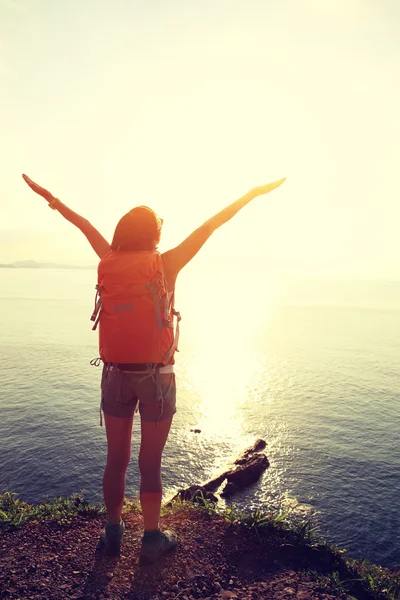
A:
<point x="213" y="484"/>
<point x="229" y="490"/>
<point x="249" y="468"/>
<point x="245" y="474"/>
<point x="256" y="447"/>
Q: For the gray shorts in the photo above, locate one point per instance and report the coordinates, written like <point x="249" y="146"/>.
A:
<point x="122" y="394"/>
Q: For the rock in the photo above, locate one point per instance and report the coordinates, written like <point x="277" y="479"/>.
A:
<point x="213" y="484"/>
<point x="256" y="447"/>
<point x="195" y="430"/>
<point x="245" y="474"/>
<point x="217" y="585"/>
<point x="229" y="490"/>
<point x="259" y="445"/>
<point x="227" y="595"/>
<point x="195" y="493"/>
<point x="188" y="572"/>
<point x="249" y="468"/>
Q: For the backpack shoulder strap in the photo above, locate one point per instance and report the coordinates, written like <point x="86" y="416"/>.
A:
<point x="97" y="308"/>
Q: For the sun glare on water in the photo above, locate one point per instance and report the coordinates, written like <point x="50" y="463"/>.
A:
<point x="223" y="327"/>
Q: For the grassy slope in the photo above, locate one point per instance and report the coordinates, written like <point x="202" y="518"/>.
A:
<point x="360" y="579"/>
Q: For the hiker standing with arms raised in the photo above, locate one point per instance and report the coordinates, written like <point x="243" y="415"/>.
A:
<point x="138" y="331"/>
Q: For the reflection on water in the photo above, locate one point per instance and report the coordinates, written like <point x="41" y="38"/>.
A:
<point x="222" y="387"/>
<point x="222" y="369"/>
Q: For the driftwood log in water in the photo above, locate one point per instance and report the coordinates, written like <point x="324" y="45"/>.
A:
<point x="249" y="468"/>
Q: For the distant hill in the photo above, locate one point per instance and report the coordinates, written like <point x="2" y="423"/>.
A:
<point x="33" y="264"/>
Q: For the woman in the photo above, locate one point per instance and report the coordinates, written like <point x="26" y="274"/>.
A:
<point x="140" y="230"/>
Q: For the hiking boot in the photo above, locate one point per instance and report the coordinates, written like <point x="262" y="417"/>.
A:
<point x="155" y="544"/>
<point x="111" y="538"/>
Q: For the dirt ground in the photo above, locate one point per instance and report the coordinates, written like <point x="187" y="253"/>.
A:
<point x="213" y="560"/>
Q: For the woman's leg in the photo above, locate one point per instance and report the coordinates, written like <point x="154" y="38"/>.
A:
<point x="153" y="441"/>
<point x="119" y="434"/>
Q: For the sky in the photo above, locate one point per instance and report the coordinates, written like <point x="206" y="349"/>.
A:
<point x="185" y="106"/>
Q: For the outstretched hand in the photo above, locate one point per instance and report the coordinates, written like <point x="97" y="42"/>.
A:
<point x="38" y="189"/>
<point x="264" y="189"/>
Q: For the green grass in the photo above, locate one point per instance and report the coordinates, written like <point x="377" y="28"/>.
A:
<point x="367" y="582"/>
<point x="299" y="530"/>
<point x="377" y="579"/>
<point x="14" y="513"/>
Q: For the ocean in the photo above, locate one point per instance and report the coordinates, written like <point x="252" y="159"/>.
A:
<point x="312" y="368"/>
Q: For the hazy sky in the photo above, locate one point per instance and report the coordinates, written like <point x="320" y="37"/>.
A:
<point x="185" y="106"/>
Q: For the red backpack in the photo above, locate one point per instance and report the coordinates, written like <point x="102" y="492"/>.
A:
<point x="134" y="310"/>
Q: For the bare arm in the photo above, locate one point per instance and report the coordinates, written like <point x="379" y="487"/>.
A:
<point x="95" y="239"/>
<point x="174" y="260"/>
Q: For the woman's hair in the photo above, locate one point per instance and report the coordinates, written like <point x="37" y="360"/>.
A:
<point x="139" y="229"/>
